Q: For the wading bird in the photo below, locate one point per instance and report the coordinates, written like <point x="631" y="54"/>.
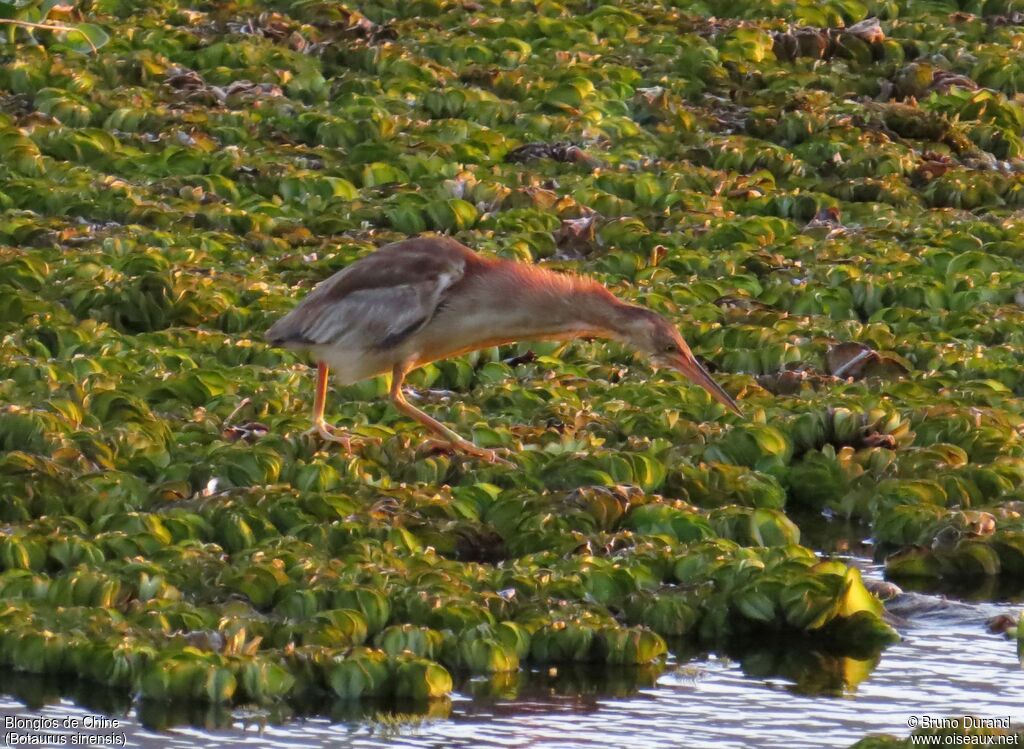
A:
<point x="420" y="300"/>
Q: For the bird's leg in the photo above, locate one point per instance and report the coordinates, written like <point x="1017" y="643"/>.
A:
<point x="320" y="427"/>
<point x="450" y="437"/>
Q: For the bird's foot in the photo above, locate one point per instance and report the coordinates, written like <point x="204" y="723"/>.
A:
<point x="330" y="433"/>
<point x="491" y="456"/>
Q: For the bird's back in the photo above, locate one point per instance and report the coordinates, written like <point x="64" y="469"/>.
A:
<point x="378" y="300"/>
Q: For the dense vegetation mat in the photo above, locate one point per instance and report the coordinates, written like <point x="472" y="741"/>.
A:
<point x="824" y="195"/>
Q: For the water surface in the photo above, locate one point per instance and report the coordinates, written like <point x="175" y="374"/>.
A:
<point x="947" y="664"/>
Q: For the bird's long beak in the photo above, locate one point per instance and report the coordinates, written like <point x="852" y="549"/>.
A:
<point x="694" y="372"/>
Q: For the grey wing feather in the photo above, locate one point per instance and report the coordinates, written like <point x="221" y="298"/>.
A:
<point x="377" y="318"/>
<point x="376" y="302"/>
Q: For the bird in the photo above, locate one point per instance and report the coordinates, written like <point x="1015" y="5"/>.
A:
<point x="427" y="298"/>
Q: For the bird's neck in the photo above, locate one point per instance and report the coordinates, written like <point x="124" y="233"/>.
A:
<point x="599" y="310"/>
<point x="573" y="306"/>
<point x="504" y="302"/>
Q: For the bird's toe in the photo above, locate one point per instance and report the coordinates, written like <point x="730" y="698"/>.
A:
<point x="329" y="433"/>
<point x="490" y="456"/>
<point x="494" y="456"/>
<point x="501" y="461"/>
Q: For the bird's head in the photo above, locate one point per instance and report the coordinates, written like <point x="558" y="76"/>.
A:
<point x="653" y="335"/>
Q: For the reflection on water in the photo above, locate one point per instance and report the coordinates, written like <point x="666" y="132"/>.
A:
<point x="764" y="694"/>
<point x="807" y="671"/>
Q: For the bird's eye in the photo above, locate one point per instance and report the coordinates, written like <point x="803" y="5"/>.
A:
<point x="670" y="348"/>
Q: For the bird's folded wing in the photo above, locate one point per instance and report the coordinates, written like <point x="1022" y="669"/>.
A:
<point x="376" y="302"/>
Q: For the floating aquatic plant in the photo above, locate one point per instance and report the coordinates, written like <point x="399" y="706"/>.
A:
<point x="823" y="196"/>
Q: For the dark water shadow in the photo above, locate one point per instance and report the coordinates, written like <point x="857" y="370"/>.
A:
<point x="847" y="538"/>
<point x="576" y="687"/>
<point x="991" y="589"/>
<point x="832" y="535"/>
<point x="579" y="688"/>
<point x="36" y="691"/>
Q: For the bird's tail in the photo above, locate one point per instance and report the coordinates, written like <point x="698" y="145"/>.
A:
<point x="287" y="332"/>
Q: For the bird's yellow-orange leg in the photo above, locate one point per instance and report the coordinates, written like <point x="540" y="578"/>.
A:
<point x="451" y="437"/>
<point x="320" y="427"/>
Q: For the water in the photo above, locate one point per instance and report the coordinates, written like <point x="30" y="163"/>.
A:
<point x="947" y="664"/>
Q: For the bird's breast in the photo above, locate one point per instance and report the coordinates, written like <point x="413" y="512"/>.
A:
<point x="351" y="365"/>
